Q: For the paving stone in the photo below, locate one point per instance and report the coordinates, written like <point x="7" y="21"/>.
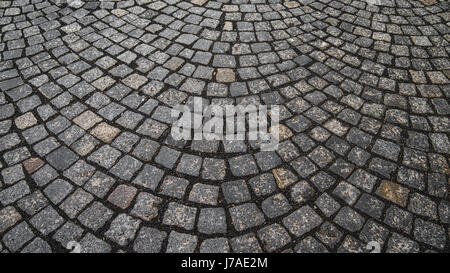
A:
<point x="329" y="234"/>
<point x="105" y="132"/>
<point x="399" y="219"/>
<point x="9" y="216"/>
<point x="247" y="243"/>
<point x="204" y="194"/>
<point x="243" y="165"/>
<point x="99" y="184"/>
<point x="393" y="192"/>
<point x="302" y="221"/>
<point x="349" y="219"/>
<point x="47" y="220"/>
<point x="14" y="193"/>
<point x="76" y="202"/>
<point x="174" y="186"/>
<point x="126" y="167"/>
<point x="92" y="244"/>
<point x="181" y="243"/>
<point x="147" y="206"/>
<point x="429" y="233"/>
<point x="400" y="244"/>
<point x="216" y="245"/>
<point x="310" y="245"/>
<point x="95" y="216"/>
<point x="18" y="236"/>
<point x="149" y="177"/>
<point x="67" y="233"/>
<point x="180" y="215"/>
<point x="246" y="216"/>
<point x="105" y="156"/>
<point x="122" y="196"/>
<point x="149" y="240"/>
<point x="123" y="229"/>
<point x="62" y="158"/>
<point x="273" y="237"/>
<point x="212" y="221"/>
<point x="58" y="190"/>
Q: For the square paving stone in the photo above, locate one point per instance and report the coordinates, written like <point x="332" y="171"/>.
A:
<point x="247" y="243"/>
<point x="47" y="220"/>
<point x="189" y="164"/>
<point x="87" y="120"/>
<point x="174" y="186"/>
<point x="346" y="192"/>
<point x="246" y="216"/>
<point x="38" y="245"/>
<point x="370" y="205"/>
<point x="149" y="240"/>
<point x="105" y="132"/>
<point x="35" y="134"/>
<point x="92" y="244"/>
<point x="214" y="169"/>
<point x="349" y="219"/>
<point x="149" y="177"/>
<point x="14" y="193"/>
<point x="125" y="141"/>
<point x="99" y="184"/>
<point x="215" y="245"/>
<point x="126" y="167"/>
<point x="212" y="221"/>
<point x="373" y="231"/>
<point x="393" y="192"/>
<point x="204" y="194"/>
<point x="302" y="192"/>
<point x="123" y="229"/>
<point x="32" y="203"/>
<point x="76" y="202"/>
<point x="58" y="190"/>
<point x="67" y="233"/>
<point x="167" y="157"/>
<point x="263" y="184"/>
<point x="400" y="244"/>
<point x="274" y="237"/>
<point x="13" y="174"/>
<point x="146" y="149"/>
<point x="329" y="234"/>
<point x="9" y="216"/>
<point x="105" y="156"/>
<point x="302" y="221"/>
<point x="429" y="233"/>
<point x="235" y="192"/>
<point x="80" y="172"/>
<point x="310" y="245"/>
<point x="122" y="196"/>
<point x="180" y="215"/>
<point x="18" y="236"/>
<point x="243" y="165"/>
<point x="267" y="160"/>
<point x="399" y="219"/>
<point x="303" y="166"/>
<point x="146" y="206"/>
<point x="181" y="243"/>
<point x="284" y="177"/>
<point x="95" y="216"/>
<point x="276" y="205"/>
<point x="62" y="158"/>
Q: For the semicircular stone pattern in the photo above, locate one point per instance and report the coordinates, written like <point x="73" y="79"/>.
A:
<point x="85" y="115"/>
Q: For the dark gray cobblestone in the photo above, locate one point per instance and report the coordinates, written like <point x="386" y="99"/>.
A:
<point x="86" y="154"/>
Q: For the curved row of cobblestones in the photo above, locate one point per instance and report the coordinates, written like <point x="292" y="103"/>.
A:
<point x="87" y="154"/>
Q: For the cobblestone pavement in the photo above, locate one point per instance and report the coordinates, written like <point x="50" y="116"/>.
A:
<point x="87" y="156"/>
